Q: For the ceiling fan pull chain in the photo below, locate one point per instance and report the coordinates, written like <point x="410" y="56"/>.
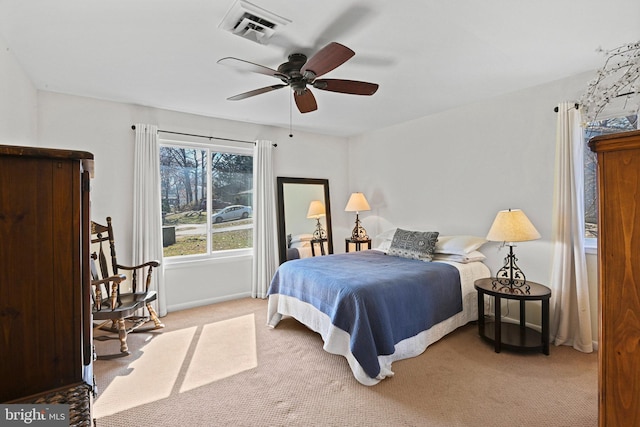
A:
<point x="291" y="114"/>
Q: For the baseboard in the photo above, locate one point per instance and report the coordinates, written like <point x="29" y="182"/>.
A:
<point x="208" y="301"/>
<point x="538" y="328"/>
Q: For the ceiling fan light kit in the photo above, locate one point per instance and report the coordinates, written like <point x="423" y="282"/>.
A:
<point x="298" y="73"/>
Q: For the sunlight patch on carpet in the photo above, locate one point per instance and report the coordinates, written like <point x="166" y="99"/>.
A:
<point x="151" y="377"/>
<point x="224" y="349"/>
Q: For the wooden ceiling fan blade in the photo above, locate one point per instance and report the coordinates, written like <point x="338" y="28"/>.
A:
<point x="328" y="58"/>
<point x="242" y="65"/>
<point x="305" y="101"/>
<point x="255" y="92"/>
<point x="352" y="87"/>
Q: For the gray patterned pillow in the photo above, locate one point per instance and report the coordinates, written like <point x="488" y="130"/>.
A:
<point x="413" y="244"/>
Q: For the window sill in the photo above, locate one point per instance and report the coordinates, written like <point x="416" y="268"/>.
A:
<point x="591" y="246"/>
<point x="222" y="257"/>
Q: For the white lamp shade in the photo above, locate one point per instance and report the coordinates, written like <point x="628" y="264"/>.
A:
<point x="357" y="203"/>
<point x="316" y="209"/>
<point x="512" y="226"/>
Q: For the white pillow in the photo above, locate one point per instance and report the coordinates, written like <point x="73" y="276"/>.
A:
<point x="301" y="238"/>
<point x="387" y="235"/>
<point x="459" y="245"/>
<point x="463" y="259"/>
<point x="385" y="238"/>
<point x="299" y="244"/>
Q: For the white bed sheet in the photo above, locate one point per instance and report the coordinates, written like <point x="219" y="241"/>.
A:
<point x="305" y="251"/>
<point x="336" y="341"/>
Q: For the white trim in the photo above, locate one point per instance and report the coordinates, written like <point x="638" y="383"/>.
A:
<point x="227" y="147"/>
<point x="591" y="246"/>
<point x="188" y="261"/>
<point x="208" y="301"/>
<point x="209" y="147"/>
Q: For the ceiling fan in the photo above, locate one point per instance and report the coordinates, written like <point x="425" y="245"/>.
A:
<point x="297" y="72"/>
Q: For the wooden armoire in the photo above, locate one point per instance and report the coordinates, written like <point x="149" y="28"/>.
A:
<point x="619" y="277"/>
<point x="45" y="305"/>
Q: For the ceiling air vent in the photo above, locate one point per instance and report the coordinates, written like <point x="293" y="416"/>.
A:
<point x="252" y="22"/>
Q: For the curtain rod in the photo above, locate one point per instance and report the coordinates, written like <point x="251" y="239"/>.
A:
<point x="617" y="96"/>
<point x="203" y="136"/>
<point x="575" y="105"/>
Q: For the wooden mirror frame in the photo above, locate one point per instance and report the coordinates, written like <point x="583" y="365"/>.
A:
<point x="282" y="230"/>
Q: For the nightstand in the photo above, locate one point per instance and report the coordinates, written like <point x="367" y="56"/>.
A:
<point x="510" y="335"/>
<point x="358" y="244"/>
<point x="319" y="242"/>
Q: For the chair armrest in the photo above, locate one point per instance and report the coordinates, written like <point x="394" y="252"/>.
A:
<point x="134" y="275"/>
<point x="135" y="267"/>
<point x="117" y="279"/>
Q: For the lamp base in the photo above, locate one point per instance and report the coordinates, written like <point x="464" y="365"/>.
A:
<point x="510" y="278"/>
<point x="359" y="233"/>
<point x="319" y="233"/>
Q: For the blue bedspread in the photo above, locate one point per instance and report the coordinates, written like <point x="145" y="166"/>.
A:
<point x="378" y="299"/>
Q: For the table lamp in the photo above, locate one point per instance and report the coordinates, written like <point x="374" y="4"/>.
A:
<point x="511" y="226"/>
<point x="357" y="203"/>
<point x="317" y="211"/>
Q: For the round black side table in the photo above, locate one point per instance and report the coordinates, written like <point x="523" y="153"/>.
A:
<point x="511" y="335"/>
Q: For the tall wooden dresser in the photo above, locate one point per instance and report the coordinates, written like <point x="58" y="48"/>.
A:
<point x="45" y="306"/>
<point x="619" y="277"/>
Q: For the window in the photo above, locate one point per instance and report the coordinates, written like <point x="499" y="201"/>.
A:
<point x="601" y="127"/>
<point x="206" y="193"/>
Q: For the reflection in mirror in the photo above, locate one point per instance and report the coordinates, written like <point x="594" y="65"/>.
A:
<point x="304" y="218"/>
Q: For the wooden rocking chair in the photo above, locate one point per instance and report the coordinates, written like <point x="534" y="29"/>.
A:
<point x="135" y="299"/>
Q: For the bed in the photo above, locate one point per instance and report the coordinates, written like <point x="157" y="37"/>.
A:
<point x="373" y="308"/>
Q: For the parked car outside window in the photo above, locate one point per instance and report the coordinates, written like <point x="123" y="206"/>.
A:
<point x="232" y="212"/>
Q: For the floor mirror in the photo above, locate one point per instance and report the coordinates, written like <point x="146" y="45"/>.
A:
<point x="304" y="218"/>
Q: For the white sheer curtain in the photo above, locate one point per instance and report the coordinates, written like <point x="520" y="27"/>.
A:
<point x="265" y="242"/>
<point x="570" y="310"/>
<point x="147" y="215"/>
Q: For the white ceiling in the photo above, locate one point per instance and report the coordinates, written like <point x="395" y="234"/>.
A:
<point x="427" y="55"/>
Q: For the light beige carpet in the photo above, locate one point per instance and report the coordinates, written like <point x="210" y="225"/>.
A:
<point x="220" y="365"/>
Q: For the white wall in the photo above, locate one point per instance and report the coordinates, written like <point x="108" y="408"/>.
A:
<point x="18" y="101"/>
<point x="452" y="172"/>
<point x="104" y="129"/>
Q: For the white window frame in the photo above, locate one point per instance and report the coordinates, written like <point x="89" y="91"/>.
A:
<point x="209" y="147"/>
<point x="591" y="243"/>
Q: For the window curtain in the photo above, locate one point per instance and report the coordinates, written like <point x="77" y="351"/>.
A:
<point x="147" y="215"/>
<point x="265" y="242"/>
<point x="570" y="310"/>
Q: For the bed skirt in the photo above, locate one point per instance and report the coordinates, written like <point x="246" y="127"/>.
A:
<point x="337" y="341"/>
